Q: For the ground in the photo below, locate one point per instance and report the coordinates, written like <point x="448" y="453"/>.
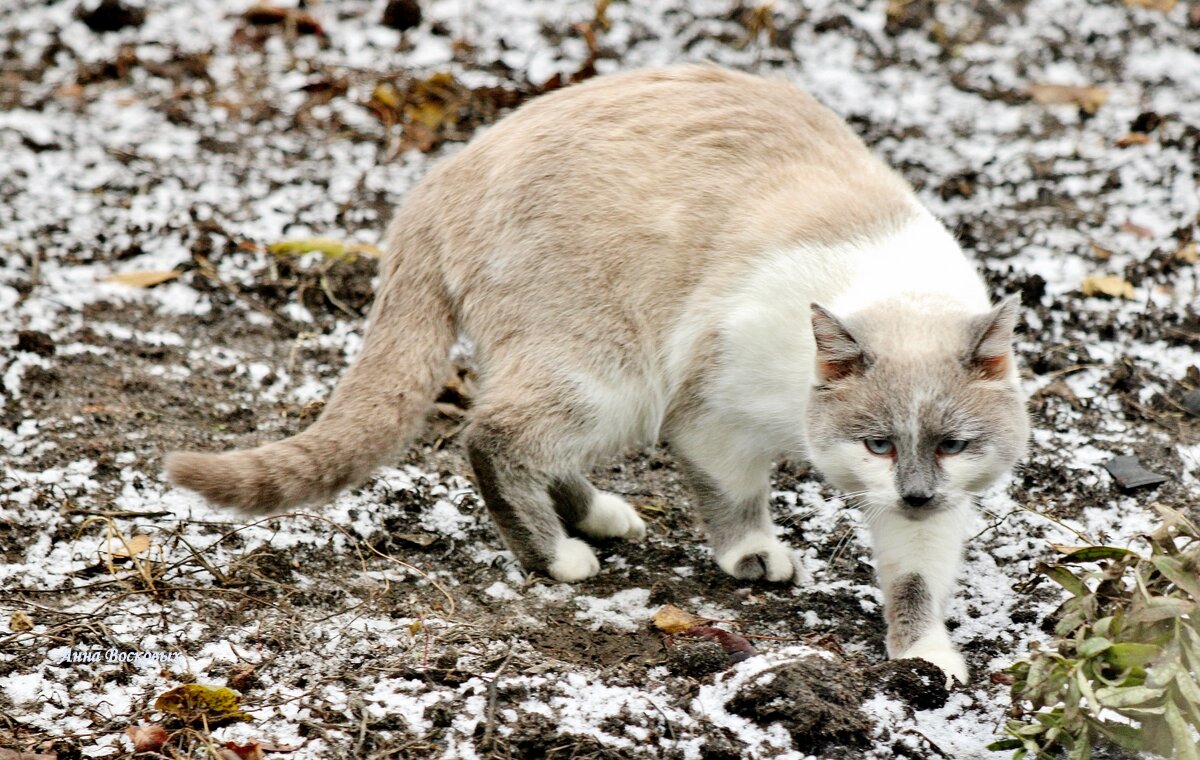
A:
<point x="185" y="137"/>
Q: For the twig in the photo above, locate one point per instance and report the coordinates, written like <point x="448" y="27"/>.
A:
<point x="486" y="742"/>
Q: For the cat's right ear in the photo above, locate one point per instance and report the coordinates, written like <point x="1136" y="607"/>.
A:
<point x="838" y="354"/>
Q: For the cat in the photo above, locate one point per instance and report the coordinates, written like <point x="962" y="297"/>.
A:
<point x="693" y="255"/>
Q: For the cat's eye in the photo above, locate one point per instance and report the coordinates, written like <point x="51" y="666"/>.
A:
<point x="952" y="446"/>
<point x="879" y="446"/>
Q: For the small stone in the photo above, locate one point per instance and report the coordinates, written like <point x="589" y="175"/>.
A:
<point x="1130" y="474"/>
<point x="402" y="14"/>
<point x="1191" y="402"/>
<point x="111" y="16"/>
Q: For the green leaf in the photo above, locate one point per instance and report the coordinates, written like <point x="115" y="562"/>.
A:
<point x="1121" y="734"/>
<point x="1130" y="654"/>
<point x="1093" y="646"/>
<point x="1128" y="696"/>
<point x="1094" y="553"/>
<point x="1003" y="744"/>
<point x="1178" y="574"/>
<point x="1063" y="577"/>
<point x="1181" y="734"/>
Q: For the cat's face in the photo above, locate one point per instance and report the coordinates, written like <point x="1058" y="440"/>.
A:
<point x="915" y="412"/>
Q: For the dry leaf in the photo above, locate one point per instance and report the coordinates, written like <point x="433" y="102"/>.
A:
<point x="235" y="751"/>
<point x="1166" y="6"/>
<point x="1100" y="252"/>
<point x="142" y="279"/>
<point x="1133" y="138"/>
<point x="1188" y="253"/>
<point x="1088" y="98"/>
<point x="334" y="249"/>
<point x="147" y="738"/>
<point x="415" y="627"/>
<point x="130" y="548"/>
<point x="1107" y="285"/>
<point x="195" y="703"/>
<point x="19" y="622"/>
<point x="10" y="754"/>
<point x="1138" y="230"/>
<point x="385" y="94"/>
<point x="270" y="15"/>
<point x="671" y="619"/>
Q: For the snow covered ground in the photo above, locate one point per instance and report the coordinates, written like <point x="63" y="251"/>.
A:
<point x="392" y="623"/>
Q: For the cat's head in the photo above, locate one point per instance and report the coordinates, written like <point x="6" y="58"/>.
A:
<point x="916" y="406"/>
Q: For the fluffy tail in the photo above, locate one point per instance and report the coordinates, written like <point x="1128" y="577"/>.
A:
<point x="375" y="410"/>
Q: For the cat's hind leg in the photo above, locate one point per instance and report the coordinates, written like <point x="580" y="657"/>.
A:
<point x="730" y="482"/>
<point x="515" y="484"/>
<point x="595" y="513"/>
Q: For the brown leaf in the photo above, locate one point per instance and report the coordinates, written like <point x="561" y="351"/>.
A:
<point x="10" y="754"/>
<point x="1188" y="253"/>
<point x="1100" y="252"/>
<point x="251" y="751"/>
<point x="737" y="647"/>
<point x="1138" y="230"/>
<point x="671" y="619"/>
<point x="1107" y="285"/>
<point x="147" y="738"/>
<point x="1133" y="138"/>
<point x="1089" y="98"/>
<point x="271" y="15"/>
<point x="130" y="548"/>
<point x="1165" y="6"/>
<point x="141" y="279"/>
<point x="19" y="622"/>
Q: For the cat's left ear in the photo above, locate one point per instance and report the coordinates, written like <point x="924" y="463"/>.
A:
<point x="991" y="340"/>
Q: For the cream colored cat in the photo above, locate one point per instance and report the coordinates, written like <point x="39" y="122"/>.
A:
<point x="640" y="257"/>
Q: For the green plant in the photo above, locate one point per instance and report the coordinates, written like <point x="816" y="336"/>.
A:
<point x="1126" y="654"/>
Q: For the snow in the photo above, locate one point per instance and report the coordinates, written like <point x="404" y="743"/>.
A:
<point x="119" y="140"/>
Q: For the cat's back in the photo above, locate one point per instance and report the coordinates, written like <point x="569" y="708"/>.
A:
<point x="694" y="159"/>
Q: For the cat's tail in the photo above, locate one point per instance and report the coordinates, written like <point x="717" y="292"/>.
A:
<point x="376" y="408"/>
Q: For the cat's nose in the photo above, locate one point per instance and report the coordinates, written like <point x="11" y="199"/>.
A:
<point x="917" y="499"/>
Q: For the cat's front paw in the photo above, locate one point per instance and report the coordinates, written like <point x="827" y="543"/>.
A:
<point x="610" y="516"/>
<point x="760" y="556"/>
<point x="573" y="561"/>
<point x="944" y="655"/>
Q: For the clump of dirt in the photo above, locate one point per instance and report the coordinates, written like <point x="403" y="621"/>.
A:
<point x="815" y="699"/>
<point x="917" y="683"/>
<point x="698" y="659"/>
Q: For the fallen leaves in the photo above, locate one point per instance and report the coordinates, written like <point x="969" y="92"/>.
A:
<point x="438" y="108"/>
<point x="671" y="619"/>
<point x="678" y="622"/>
<point x="1164" y="6"/>
<point x="131" y="547"/>
<point x="147" y="738"/>
<point x="1109" y="285"/>
<point x="197" y="703"/>
<point x="288" y="18"/>
<point x="146" y="279"/>
<point x="1088" y="98"/>
<point x="334" y="249"/>
<point x="11" y="754"/>
<point x="19" y="622"/>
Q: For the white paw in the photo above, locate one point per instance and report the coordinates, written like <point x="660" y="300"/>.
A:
<point x="610" y="516"/>
<point x="942" y="653"/>
<point x="573" y="561"/>
<point x="762" y="556"/>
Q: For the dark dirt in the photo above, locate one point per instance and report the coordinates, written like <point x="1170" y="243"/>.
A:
<point x="815" y="699"/>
